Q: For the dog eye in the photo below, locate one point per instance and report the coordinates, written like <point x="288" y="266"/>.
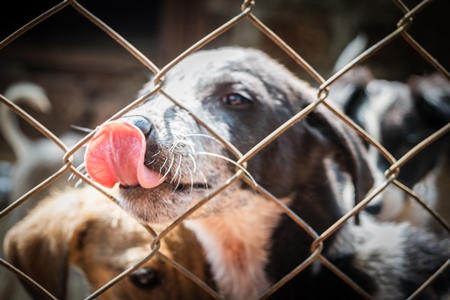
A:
<point x="236" y="100"/>
<point x="145" y="278"/>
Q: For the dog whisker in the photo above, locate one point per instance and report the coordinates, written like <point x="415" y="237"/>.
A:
<point x="174" y="146"/>
<point x="162" y="167"/>
<point x="179" y="186"/>
<point x="81" y="168"/>
<point x="190" y="144"/>
<point x="181" y="146"/>
<point x="71" y="177"/>
<point x="192" y="179"/>
<point x="232" y="162"/>
<point x="191" y="147"/>
<point x="193" y="161"/>
<point x="178" y="169"/>
<point x="174" y="175"/>
<point x="81" y="128"/>
<point x="204" y="135"/>
<point x="205" y="181"/>
<point x="170" y="166"/>
<point x="152" y="162"/>
<point x="78" y="183"/>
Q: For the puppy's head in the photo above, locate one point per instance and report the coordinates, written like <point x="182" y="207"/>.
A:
<point x="166" y="162"/>
<point x="84" y="229"/>
<point x="432" y="97"/>
<point x="411" y="119"/>
<point x="399" y="116"/>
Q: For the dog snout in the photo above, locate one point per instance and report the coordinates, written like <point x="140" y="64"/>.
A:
<point x="145" y="278"/>
<point x="141" y="122"/>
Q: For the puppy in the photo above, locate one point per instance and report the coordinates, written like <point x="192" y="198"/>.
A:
<point x="163" y="162"/>
<point x="399" y="116"/>
<point x="36" y="160"/>
<point x="83" y="228"/>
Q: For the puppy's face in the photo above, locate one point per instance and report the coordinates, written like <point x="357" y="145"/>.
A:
<point x="102" y="256"/>
<point x="399" y="116"/>
<point x="241" y="95"/>
<point x="166" y="162"/>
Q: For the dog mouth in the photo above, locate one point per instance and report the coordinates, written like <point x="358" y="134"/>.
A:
<point x="176" y="187"/>
<point x="116" y="154"/>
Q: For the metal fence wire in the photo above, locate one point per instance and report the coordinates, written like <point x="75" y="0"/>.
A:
<point x="322" y="92"/>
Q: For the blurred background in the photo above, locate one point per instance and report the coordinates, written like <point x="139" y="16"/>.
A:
<point x="88" y="76"/>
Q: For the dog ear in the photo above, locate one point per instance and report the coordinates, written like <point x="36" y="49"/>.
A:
<point x="350" y="155"/>
<point x="349" y="91"/>
<point x="39" y="245"/>
<point x="431" y="96"/>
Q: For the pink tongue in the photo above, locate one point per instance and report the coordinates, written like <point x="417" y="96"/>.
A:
<point x="116" y="154"/>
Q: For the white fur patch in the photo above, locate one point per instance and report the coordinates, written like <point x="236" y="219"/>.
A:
<point x="380" y="99"/>
<point x="378" y="250"/>
<point x="236" y="245"/>
<point x="380" y="253"/>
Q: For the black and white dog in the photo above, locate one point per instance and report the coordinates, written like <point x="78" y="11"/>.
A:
<point x="165" y="162"/>
<point x="399" y="116"/>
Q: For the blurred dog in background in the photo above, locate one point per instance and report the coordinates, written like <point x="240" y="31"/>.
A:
<point x="83" y="228"/>
<point x="399" y="116"/>
<point x="36" y="160"/>
<point x="5" y="183"/>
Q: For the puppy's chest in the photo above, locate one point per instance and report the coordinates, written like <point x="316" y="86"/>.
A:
<point x="236" y="247"/>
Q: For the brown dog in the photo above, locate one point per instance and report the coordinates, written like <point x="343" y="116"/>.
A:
<point x="83" y="228"/>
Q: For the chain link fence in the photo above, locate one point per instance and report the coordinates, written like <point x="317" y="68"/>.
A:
<point x="401" y="32"/>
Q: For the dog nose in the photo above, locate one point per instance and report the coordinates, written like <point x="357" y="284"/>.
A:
<point x="140" y="122"/>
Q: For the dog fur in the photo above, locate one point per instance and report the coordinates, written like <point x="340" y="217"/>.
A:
<point x="36" y="160"/>
<point x="83" y="228"/>
<point x="399" y="116"/>
<point x="30" y="170"/>
<point x="5" y="183"/>
<point x="244" y="95"/>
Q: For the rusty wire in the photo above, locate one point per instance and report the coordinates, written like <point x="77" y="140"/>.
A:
<point x="322" y="93"/>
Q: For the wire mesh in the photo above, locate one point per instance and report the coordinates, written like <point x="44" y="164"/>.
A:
<point x="241" y="158"/>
